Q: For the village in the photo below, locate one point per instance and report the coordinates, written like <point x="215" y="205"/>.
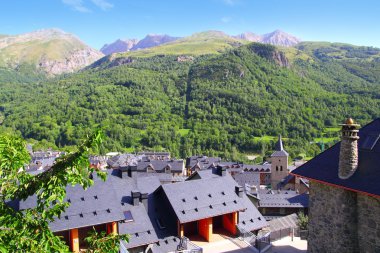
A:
<point x="204" y="204"/>
<point x="174" y="205"/>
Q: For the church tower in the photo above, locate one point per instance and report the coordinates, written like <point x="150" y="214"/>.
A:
<point x="279" y="164"/>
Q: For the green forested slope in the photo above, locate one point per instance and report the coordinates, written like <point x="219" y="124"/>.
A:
<point x="213" y="104"/>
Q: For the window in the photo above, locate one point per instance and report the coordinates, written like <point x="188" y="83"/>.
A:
<point x="276" y="168"/>
<point x="128" y="216"/>
<point x="281" y="167"/>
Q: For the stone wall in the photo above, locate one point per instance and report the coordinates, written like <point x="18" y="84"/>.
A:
<point x="333" y="216"/>
<point x="368" y="223"/>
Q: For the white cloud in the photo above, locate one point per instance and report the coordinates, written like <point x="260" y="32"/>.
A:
<point x="76" y="5"/>
<point x="103" y="4"/>
<point x="226" y="19"/>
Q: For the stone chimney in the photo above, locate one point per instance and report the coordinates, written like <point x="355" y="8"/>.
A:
<point x="221" y="170"/>
<point x="348" y="156"/>
<point x="239" y="191"/>
<point x="135" y="197"/>
<point x="144" y="200"/>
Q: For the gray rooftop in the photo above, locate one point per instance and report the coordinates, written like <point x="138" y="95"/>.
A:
<point x="199" y="199"/>
<point x="106" y="202"/>
<point x="288" y="199"/>
<point x="250" y="178"/>
<point x="250" y="219"/>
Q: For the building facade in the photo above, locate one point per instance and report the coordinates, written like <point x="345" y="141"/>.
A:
<point x="344" y="209"/>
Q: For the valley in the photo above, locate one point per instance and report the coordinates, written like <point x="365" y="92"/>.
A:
<point x="177" y="98"/>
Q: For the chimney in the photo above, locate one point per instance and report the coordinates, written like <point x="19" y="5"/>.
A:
<point x="348" y="155"/>
<point x="239" y="191"/>
<point x="124" y="171"/>
<point x="144" y="200"/>
<point x="135" y="197"/>
<point x="253" y="190"/>
<point x="132" y="170"/>
<point x="221" y="170"/>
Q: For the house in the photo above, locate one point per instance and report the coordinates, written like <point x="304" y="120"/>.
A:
<point x="291" y="182"/>
<point x="344" y="209"/>
<point x="157" y="218"/>
<point x="155" y="155"/>
<point x="249" y="220"/>
<point x="195" y="163"/>
<point x="117" y="205"/>
<point x="166" y="170"/>
<point x="277" y="203"/>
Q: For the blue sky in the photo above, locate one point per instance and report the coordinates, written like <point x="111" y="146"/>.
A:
<point x="98" y="22"/>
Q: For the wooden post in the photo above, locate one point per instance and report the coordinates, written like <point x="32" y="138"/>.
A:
<point x="181" y="231"/>
<point x="74" y="240"/>
<point x="114" y="228"/>
<point x="205" y="228"/>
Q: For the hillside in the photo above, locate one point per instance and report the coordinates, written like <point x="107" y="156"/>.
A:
<point x="217" y="104"/>
<point x="51" y="51"/>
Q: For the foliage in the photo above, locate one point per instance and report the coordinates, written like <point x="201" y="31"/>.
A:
<point x="100" y="242"/>
<point x="215" y="105"/>
<point x="303" y="221"/>
<point x="27" y="230"/>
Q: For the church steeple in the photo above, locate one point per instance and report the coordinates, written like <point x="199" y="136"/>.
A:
<point x="279" y="164"/>
<point x="279" y="146"/>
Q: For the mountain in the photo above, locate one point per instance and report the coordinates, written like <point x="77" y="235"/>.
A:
<point x="280" y="38"/>
<point x="51" y="51"/>
<point x="153" y="40"/>
<point x="118" y="46"/>
<point x="249" y="36"/>
<point x="208" y="42"/>
<point x="230" y="102"/>
<point x="276" y="38"/>
<point x="203" y="43"/>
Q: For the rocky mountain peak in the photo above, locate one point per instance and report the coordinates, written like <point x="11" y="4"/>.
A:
<point x="280" y="38"/>
<point x="52" y="51"/>
<point x="152" y="40"/>
<point x="119" y="46"/>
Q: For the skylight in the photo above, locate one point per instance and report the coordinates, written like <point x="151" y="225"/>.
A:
<point x="128" y="216"/>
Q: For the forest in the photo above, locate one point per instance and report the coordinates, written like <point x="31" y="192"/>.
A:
<point x="227" y="104"/>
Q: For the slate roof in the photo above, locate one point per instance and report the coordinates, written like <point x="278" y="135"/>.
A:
<point x="324" y="167"/>
<point x="176" y="166"/>
<point x="289" y="221"/>
<point x="123" y="160"/>
<point x="279" y="149"/>
<point x="202" y="161"/>
<point x="109" y="200"/>
<point x="285" y="199"/>
<point x="200" y="199"/>
<point x="250" y="219"/>
<point x="250" y="178"/>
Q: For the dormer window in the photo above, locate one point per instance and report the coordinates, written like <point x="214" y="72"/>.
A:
<point x="150" y="168"/>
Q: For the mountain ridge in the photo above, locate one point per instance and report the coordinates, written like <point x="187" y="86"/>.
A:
<point x="277" y="38"/>
<point x="51" y="51"/>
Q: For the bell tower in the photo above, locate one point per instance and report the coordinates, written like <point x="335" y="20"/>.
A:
<point x="279" y="164"/>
